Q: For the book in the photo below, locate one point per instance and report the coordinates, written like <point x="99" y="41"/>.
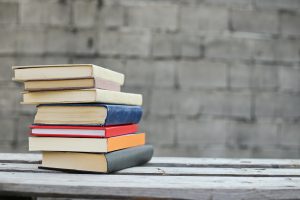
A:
<point x="65" y="71"/>
<point x="87" y="114"/>
<point x="97" y="145"/>
<point x="85" y="83"/>
<point x="82" y="131"/>
<point x="103" y="163"/>
<point x="82" y="96"/>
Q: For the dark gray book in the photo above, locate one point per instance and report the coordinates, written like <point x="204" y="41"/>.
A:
<point x="91" y="162"/>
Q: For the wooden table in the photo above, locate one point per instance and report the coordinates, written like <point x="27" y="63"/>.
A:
<point x="173" y="178"/>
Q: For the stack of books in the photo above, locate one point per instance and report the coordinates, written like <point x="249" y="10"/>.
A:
<point x="83" y="121"/>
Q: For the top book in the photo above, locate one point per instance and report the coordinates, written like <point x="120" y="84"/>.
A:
<point x="65" y="71"/>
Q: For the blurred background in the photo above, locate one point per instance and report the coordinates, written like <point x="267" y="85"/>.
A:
<point x="220" y="78"/>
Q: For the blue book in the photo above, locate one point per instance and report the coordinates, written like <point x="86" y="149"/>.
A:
<point x="87" y="114"/>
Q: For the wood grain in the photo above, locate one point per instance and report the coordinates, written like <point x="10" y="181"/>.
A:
<point x="179" y="161"/>
<point x="170" y="171"/>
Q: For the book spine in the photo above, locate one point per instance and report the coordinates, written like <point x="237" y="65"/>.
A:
<point x="120" y="130"/>
<point x="122" y="159"/>
<point x="106" y="84"/>
<point x="119" y="114"/>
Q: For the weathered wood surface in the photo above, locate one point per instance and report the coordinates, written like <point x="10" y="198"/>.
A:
<point x="175" y="178"/>
<point x="182" y="187"/>
<point x="171" y="171"/>
<point x="178" y="161"/>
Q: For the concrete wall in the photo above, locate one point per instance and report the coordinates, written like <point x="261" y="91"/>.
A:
<point x="219" y="78"/>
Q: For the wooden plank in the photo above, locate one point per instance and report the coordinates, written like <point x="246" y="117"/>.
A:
<point x="179" y="161"/>
<point x="203" y="171"/>
<point x="20" y="157"/>
<point x="17" y="198"/>
<point x="23" y="167"/>
<point x="225" y="162"/>
<point x="171" y="171"/>
<point x="177" y="187"/>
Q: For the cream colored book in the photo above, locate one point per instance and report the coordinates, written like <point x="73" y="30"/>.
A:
<point x="82" y="96"/>
<point x="67" y="84"/>
<point x="65" y="71"/>
<point x="95" y="145"/>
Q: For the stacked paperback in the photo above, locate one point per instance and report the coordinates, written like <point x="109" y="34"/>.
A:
<point x="83" y="121"/>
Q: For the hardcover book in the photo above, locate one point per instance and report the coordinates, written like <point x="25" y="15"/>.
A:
<point x="82" y="96"/>
<point x="88" y="114"/>
<point x="103" y="163"/>
<point x="82" y="131"/>
<point x="65" y="71"/>
<point x="96" y="145"/>
<point x="85" y="83"/>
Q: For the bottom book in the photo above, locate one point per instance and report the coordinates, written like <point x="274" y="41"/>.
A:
<point x="97" y="162"/>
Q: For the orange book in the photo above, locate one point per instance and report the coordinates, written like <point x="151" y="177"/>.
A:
<point x="93" y="145"/>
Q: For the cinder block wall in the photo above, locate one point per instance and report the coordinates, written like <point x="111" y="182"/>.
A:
<point x="219" y="78"/>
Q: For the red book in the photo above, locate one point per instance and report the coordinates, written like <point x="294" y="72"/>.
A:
<point x="82" y="131"/>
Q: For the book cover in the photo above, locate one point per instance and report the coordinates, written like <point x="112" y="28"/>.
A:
<point x="121" y="114"/>
<point x="102" y="163"/>
<point x="128" y="157"/>
<point x="82" y="131"/>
